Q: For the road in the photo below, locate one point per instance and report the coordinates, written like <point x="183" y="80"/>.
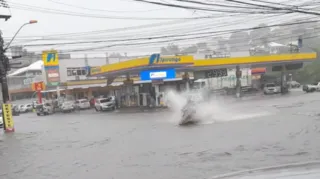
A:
<point x="244" y="134"/>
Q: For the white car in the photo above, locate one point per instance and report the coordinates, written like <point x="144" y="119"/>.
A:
<point x="26" y="108"/>
<point x="105" y="104"/>
<point x="82" y="104"/>
<point x="271" y="88"/>
<point x="67" y="106"/>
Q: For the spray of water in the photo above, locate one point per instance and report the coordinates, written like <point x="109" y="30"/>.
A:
<point x="209" y="111"/>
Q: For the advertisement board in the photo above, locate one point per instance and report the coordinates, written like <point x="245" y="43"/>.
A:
<point x="50" y="58"/>
<point x="158" y="74"/>
<point x="7" y="117"/>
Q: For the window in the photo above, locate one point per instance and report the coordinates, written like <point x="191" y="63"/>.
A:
<point x="270" y="85"/>
<point x="77" y="71"/>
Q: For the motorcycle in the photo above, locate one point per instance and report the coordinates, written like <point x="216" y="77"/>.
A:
<point x="188" y="112"/>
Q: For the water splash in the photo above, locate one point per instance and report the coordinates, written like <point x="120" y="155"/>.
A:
<point x="212" y="110"/>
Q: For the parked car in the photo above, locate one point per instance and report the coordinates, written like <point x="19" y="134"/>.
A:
<point x="44" y="109"/>
<point x="67" y="106"/>
<point x="26" y="108"/>
<point x="105" y="104"/>
<point x="311" y="87"/>
<point x="271" y="88"/>
<point x="294" y="84"/>
<point x="82" y="104"/>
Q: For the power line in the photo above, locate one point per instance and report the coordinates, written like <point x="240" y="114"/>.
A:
<point x="209" y="10"/>
<point x="75" y="14"/>
<point x="215" y="4"/>
<point x="276" y="8"/>
<point x="102" y="10"/>
<point x="180" y="35"/>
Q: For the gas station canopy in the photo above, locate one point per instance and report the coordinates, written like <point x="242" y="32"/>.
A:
<point x="156" y="61"/>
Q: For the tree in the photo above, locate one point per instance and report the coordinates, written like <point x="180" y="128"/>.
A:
<point x="239" y="41"/>
<point x="164" y="51"/>
<point x="115" y="55"/>
<point x="261" y="35"/>
<point x="171" y="49"/>
<point x="202" y="45"/>
<point x="190" y="49"/>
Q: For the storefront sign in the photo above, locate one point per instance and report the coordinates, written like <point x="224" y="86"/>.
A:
<point x="53" y="77"/>
<point x="215" y="73"/>
<point x="7" y="117"/>
<point x="38" y="86"/>
<point x="28" y="81"/>
<point x="50" y="58"/>
<point x="156" y="59"/>
<point x="158" y="74"/>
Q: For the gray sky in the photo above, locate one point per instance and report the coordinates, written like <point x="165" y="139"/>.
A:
<point x="50" y="24"/>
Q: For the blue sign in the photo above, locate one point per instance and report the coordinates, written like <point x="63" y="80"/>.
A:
<point x="158" y="74"/>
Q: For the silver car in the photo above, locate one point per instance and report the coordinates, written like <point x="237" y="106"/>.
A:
<point x="271" y="88"/>
<point x="67" y="106"/>
<point x="105" y="104"/>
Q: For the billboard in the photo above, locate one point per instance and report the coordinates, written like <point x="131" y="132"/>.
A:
<point x="158" y="74"/>
<point x="51" y="66"/>
<point x="50" y="58"/>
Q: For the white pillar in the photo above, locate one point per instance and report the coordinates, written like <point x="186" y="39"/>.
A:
<point x="156" y="87"/>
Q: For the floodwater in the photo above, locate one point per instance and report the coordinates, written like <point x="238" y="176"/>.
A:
<point x="242" y="134"/>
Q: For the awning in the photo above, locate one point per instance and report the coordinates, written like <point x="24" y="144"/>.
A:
<point x="93" y="85"/>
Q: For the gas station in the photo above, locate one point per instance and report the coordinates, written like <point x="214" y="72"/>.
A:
<point x="156" y="70"/>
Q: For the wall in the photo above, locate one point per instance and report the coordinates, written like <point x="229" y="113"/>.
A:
<point x="82" y="62"/>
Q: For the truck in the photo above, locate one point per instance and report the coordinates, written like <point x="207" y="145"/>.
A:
<point x="227" y="83"/>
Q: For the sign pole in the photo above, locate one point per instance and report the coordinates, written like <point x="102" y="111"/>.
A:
<point x="39" y="96"/>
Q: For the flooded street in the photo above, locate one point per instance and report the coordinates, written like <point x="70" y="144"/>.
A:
<point x="88" y="144"/>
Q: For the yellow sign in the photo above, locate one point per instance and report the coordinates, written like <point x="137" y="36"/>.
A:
<point x="7" y="117"/>
<point x="38" y="86"/>
<point x="50" y="58"/>
<point x="95" y="70"/>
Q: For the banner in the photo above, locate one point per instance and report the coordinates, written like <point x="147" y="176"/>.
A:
<point x="7" y="117"/>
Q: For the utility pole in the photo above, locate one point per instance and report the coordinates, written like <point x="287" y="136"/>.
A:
<point x="4" y="68"/>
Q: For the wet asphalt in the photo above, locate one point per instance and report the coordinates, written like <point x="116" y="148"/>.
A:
<point x="241" y="134"/>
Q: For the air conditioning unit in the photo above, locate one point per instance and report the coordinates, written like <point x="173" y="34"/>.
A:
<point x="77" y="78"/>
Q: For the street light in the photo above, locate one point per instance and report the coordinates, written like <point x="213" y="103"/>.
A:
<point x="30" y="22"/>
<point x="5" y="65"/>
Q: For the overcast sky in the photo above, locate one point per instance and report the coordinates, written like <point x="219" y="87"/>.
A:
<point x="50" y="24"/>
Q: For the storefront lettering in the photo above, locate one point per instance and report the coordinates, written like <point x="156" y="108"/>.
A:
<point x="156" y="59"/>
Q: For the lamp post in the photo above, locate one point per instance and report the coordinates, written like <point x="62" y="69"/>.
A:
<point x="5" y="65"/>
<point x="30" y="22"/>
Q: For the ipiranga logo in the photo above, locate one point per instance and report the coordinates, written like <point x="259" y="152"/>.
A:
<point x="157" y="59"/>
